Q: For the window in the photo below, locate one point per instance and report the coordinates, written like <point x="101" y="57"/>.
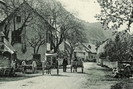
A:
<point x="18" y="39"/>
<point x="18" y="19"/>
<point x="47" y="38"/>
<point x="89" y="46"/>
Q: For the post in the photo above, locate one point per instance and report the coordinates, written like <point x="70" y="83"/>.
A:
<point x="57" y="69"/>
<point x="42" y="67"/>
<point x="57" y="63"/>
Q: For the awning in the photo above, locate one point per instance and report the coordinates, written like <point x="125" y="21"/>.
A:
<point x="51" y="54"/>
<point x="8" y="47"/>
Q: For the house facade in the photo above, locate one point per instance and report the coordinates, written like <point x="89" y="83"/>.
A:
<point x="91" y="52"/>
<point x="100" y="51"/>
<point x="86" y="51"/>
<point x="26" y="30"/>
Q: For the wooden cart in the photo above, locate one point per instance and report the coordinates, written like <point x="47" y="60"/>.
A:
<point x="7" y="64"/>
<point x="29" y="66"/>
<point x="77" y="64"/>
<point x="53" y="62"/>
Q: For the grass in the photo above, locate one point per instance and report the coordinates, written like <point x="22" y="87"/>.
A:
<point x="123" y="84"/>
<point x="117" y="86"/>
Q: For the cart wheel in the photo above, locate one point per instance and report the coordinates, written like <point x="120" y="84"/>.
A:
<point x="34" y="66"/>
<point x="23" y="66"/>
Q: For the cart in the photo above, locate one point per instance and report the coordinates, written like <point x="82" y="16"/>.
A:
<point x="7" y="64"/>
<point x="51" y="62"/>
<point x="29" y="66"/>
<point x="77" y="64"/>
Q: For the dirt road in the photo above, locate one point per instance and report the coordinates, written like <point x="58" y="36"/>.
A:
<point x="94" y="77"/>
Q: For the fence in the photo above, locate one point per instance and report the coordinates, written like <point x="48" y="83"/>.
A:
<point x="108" y="63"/>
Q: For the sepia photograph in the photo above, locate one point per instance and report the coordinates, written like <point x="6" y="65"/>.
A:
<point x="66" y="44"/>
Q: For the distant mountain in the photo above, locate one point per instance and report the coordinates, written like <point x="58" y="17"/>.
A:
<point x="95" y="32"/>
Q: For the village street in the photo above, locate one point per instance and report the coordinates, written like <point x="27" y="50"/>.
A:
<point x="94" y="77"/>
<point x="38" y="35"/>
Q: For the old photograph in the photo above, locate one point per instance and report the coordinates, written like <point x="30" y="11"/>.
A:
<point x="66" y="44"/>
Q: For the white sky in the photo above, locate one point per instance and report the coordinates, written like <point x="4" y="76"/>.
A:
<point x="84" y="9"/>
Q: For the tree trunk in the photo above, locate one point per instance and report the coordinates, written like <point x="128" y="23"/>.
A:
<point x="34" y="49"/>
<point x="37" y="49"/>
<point x="71" y="57"/>
<point x="37" y="57"/>
<point x="56" y="49"/>
<point x="71" y="54"/>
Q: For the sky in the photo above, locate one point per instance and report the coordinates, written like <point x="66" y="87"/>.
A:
<point x="83" y="9"/>
<point x="86" y="10"/>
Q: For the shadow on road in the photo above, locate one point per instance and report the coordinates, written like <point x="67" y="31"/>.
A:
<point x="18" y="77"/>
<point x="59" y="75"/>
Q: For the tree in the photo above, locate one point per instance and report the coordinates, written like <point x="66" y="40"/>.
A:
<point x="74" y="38"/>
<point x="119" y="48"/>
<point x="23" y="17"/>
<point x="60" y="19"/>
<point x="115" y="13"/>
<point x="37" y="41"/>
<point x="11" y="9"/>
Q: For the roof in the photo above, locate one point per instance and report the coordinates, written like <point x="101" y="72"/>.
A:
<point x="89" y="47"/>
<point x="101" y="47"/>
<point x="8" y="47"/>
<point x="18" y="8"/>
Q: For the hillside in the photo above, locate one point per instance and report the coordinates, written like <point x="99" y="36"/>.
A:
<point x="94" y="32"/>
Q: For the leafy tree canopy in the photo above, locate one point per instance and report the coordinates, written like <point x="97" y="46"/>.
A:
<point x="115" y="13"/>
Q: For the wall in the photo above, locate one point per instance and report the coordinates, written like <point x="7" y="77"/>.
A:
<point x="36" y="24"/>
<point x="108" y="63"/>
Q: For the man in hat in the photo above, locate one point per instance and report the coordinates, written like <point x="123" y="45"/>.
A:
<point x="65" y="63"/>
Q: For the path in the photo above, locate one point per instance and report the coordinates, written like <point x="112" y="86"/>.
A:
<point x="93" y="78"/>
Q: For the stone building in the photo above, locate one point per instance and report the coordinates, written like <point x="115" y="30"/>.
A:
<point x="26" y="30"/>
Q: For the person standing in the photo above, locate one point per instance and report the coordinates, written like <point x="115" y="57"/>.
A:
<point x="65" y="63"/>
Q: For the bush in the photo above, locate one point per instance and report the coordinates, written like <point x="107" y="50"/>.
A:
<point x="117" y="86"/>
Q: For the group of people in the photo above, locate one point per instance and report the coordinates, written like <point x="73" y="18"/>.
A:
<point x="123" y="71"/>
<point x="49" y="64"/>
<point x="59" y="61"/>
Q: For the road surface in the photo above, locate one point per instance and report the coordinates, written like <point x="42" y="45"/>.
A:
<point x="94" y="77"/>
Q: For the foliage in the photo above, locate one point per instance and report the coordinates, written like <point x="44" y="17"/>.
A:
<point x="115" y="13"/>
<point x="62" y="21"/>
<point x="26" y="14"/>
<point x="119" y="48"/>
